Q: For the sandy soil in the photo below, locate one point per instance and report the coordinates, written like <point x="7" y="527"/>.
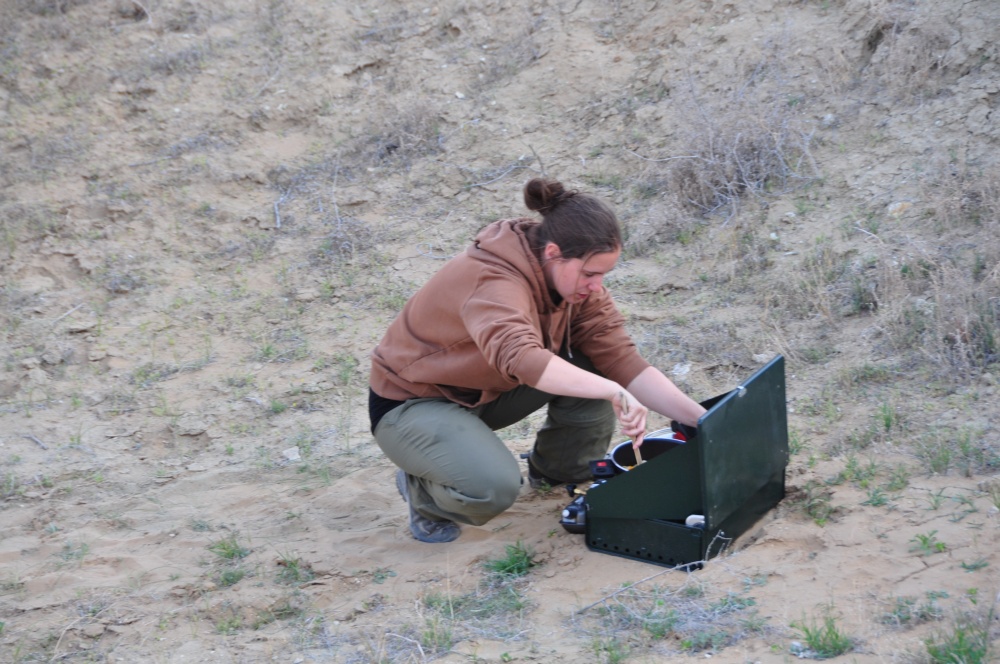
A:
<point x="210" y="211"/>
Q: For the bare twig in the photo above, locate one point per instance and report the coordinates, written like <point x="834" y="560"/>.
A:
<point x="67" y="313"/>
<point x="38" y="442"/>
<point x="515" y="167"/>
<point x="277" y="212"/>
<point x="153" y="161"/>
<point x="429" y="253"/>
<point x="264" y="87"/>
<point x="333" y="192"/>
<point x="629" y="587"/>
<point x="686" y="156"/>
<point x="403" y="638"/>
<point x="685" y="567"/>
<point x="541" y="164"/>
<point x="55" y="648"/>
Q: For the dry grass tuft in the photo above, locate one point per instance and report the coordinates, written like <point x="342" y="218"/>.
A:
<point x="907" y="59"/>
<point x="691" y="617"/>
<point x="954" y="327"/>
<point x="753" y="142"/>
<point x="397" y="135"/>
<point x="748" y="148"/>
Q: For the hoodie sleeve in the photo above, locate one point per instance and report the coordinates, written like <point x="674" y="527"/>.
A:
<point x="598" y="331"/>
<point x="502" y="319"/>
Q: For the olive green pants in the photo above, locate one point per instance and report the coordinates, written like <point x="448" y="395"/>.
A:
<point x="457" y="467"/>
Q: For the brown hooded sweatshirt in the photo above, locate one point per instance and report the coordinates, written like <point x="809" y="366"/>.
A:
<point x="487" y="322"/>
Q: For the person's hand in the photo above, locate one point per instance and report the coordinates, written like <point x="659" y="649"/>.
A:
<point x="631" y="415"/>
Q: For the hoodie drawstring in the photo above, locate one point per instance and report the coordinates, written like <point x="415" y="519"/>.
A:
<point x="569" y="326"/>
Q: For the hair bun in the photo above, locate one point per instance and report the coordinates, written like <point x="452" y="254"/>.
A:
<point x="543" y="194"/>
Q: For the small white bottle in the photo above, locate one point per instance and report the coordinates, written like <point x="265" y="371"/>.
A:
<point x="695" y="521"/>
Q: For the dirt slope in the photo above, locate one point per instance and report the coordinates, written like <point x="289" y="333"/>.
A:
<point x="210" y="212"/>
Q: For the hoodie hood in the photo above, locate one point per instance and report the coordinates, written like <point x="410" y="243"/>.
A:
<point x="510" y="242"/>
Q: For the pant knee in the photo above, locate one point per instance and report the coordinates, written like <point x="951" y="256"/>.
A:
<point x="485" y="499"/>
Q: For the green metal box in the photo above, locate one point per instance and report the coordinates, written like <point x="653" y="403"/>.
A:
<point x="731" y="473"/>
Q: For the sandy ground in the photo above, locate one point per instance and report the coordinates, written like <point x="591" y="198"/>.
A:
<point x="212" y="210"/>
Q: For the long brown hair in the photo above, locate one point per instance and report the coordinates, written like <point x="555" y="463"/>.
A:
<point x="579" y="224"/>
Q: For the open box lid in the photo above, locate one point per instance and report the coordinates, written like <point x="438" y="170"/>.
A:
<point x="742" y="442"/>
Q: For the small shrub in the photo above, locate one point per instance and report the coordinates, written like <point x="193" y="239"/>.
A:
<point x="907" y="613"/>
<point x="689" y="617"/>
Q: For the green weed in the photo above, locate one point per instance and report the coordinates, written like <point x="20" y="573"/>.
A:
<point x="975" y="565"/>
<point x="229" y="625"/>
<point x="815" y="502"/>
<point x="876" y="498"/>
<point x="610" y="651"/>
<point x="516" y="561"/>
<point x="436" y="636"/>
<point x="823" y="640"/>
<point x="967" y="642"/>
<point x="231" y="577"/>
<point x="382" y="574"/>
<point x="293" y="570"/>
<point x="899" y="479"/>
<point x="229" y="548"/>
<point x="73" y="553"/>
<point x="927" y="544"/>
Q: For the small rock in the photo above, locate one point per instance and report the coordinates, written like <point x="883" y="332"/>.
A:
<point x="37" y="377"/>
<point x="93" y="630"/>
<point x="306" y="295"/>
<point x="190" y="425"/>
<point x="829" y="121"/>
<point x="8" y="388"/>
<point x="97" y="354"/>
<point x="681" y="369"/>
<point x="52" y="357"/>
<point x="292" y="454"/>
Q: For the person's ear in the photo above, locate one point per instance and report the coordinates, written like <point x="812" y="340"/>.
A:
<point x="551" y="251"/>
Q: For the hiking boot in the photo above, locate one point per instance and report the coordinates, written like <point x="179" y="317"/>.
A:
<point x="424" y="529"/>
<point x="540" y="482"/>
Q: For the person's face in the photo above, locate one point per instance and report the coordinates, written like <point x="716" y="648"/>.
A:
<point x="576" y="278"/>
